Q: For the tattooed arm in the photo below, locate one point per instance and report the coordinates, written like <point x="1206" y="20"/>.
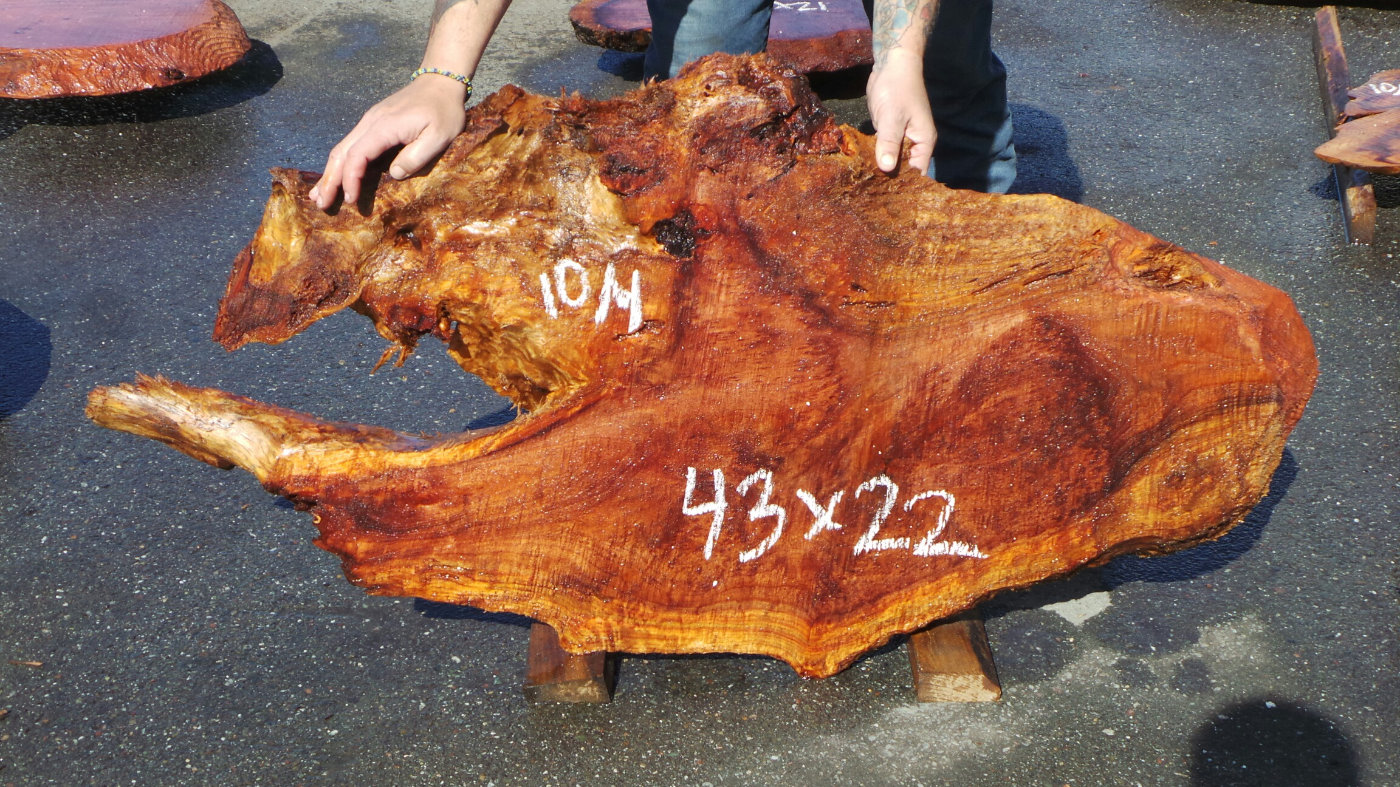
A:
<point x="423" y="116"/>
<point x="895" y="93"/>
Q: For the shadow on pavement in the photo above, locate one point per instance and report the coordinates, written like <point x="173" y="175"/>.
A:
<point x="1261" y="742"/>
<point x="626" y="65"/>
<point x="1213" y="555"/>
<point x="1043" y="163"/>
<point x="438" y="610"/>
<point x="25" y="349"/>
<point x="500" y="417"/>
<point x="252" y="76"/>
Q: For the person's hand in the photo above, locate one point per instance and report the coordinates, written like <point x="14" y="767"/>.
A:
<point x="424" y="117"/>
<point x="899" y="110"/>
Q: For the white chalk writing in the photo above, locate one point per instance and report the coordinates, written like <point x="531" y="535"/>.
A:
<point x="1379" y="88"/>
<point x="868" y="542"/>
<point x="932" y="544"/>
<point x="629" y="299"/>
<point x="762" y="510"/>
<point x="561" y="283"/>
<point x="823" y="516"/>
<point x="715" y="509"/>
<point x="560" y="290"/>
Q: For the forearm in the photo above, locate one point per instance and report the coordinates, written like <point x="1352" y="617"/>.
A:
<point x="901" y="27"/>
<point x="422" y="116"/>
<point x="896" y="93"/>
<point x="459" y="32"/>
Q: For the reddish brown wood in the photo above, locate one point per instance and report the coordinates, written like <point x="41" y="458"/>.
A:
<point x="951" y="661"/>
<point x="555" y="675"/>
<point x="777" y="401"/>
<point x="1354" y="190"/>
<point x="101" y="47"/>
<point x="1380" y="93"/>
<point x="621" y="25"/>
<point x="1370" y="143"/>
<point x="807" y="35"/>
<point x="1331" y="60"/>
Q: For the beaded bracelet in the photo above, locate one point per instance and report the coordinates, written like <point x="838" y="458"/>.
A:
<point x="466" y="81"/>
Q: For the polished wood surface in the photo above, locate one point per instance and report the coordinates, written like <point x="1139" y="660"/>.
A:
<point x="774" y="400"/>
<point x="102" y="47"/>
<point x="1370" y="143"/>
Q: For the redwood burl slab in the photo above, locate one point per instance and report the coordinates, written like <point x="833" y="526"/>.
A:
<point x="1371" y="143"/>
<point x="1380" y="93"/>
<point x="775" y="401"/>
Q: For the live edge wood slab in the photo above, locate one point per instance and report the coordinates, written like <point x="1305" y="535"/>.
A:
<point x="774" y="401"/>
<point x="102" y="47"/>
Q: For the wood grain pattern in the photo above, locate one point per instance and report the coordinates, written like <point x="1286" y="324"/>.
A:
<point x="1380" y="93"/>
<point x="808" y="35"/>
<point x="1370" y="143"/>
<point x="951" y="661"/>
<point x="776" y="401"/>
<point x="103" y="47"/>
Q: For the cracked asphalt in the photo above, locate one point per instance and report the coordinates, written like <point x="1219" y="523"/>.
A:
<point x="162" y="622"/>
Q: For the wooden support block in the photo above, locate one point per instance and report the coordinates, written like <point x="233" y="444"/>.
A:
<point x="1354" y="190"/>
<point x="555" y="675"/>
<point x="952" y="662"/>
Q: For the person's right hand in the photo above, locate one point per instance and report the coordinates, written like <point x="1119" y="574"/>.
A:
<point x="899" y="110"/>
<point x="424" y="117"/>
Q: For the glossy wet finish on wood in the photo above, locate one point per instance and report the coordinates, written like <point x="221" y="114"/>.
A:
<point x="102" y="47"/>
<point x="777" y="401"/>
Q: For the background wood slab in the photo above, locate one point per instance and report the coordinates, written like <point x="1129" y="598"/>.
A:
<point x="1378" y="94"/>
<point x="1371" y="143"/>
<point x="1355" y="192"/>
<point x="103" y="47"/>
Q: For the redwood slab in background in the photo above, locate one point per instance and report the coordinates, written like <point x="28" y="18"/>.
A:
<point x="1371" y="143"/>
<point x="806" y="35"/>
<point x="1380" y="93"/>
<point x="102" y="47"/>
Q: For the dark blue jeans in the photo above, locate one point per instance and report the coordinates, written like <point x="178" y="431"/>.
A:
<point x="966" y="82"/>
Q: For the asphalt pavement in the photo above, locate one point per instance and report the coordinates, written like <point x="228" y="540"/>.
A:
<point x="162" y="622"/>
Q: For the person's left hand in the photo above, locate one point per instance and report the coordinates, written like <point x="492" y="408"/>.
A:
<point x="423" y="116"/>
<point x="899" y="110"/>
